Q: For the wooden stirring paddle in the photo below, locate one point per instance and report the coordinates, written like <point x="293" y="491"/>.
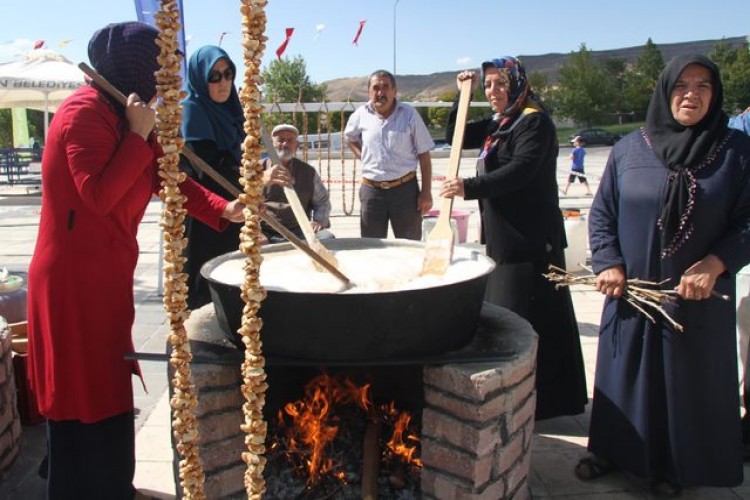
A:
<point x="439" y="245"/>
<point x="207" y="169"/>
<point x="299" y="212"/>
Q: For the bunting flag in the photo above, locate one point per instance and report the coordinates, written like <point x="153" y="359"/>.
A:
<point x="283" y="45"/>
<point x="221" y="37"/>
<point x="319" y="30"/>
<point x="39" y="44"/>
<point x="359" y="31"/>
<point x="64" y="43"/>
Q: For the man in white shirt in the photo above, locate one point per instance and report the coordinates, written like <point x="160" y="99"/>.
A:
<point x="391" y="139"/>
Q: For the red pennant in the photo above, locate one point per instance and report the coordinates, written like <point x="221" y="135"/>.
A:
<point x="359" y="32"/>
<point x="39" y="44"/>
<point x="283" y="45"/>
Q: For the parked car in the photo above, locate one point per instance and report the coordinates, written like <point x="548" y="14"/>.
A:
<point x="594" y="136"/>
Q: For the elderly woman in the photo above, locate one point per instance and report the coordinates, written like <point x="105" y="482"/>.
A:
<point x="522" y="226"/>
<point x="212" y="126"/>
<point x="99" y="173"/>
<point x="673" y="206"/>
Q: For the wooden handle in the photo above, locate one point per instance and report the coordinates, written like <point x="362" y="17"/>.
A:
<point x="222" y="181"/>
<point x="454" y="161"/>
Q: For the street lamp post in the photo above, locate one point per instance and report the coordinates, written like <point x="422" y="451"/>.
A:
<point x="394" y="36"/>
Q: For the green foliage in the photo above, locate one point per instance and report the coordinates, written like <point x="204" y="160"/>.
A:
<point x="287" y="81"/>
<point x="640" y="80"/>
<point x="586" y="89"/>
<point x="35" y="121"/>
<point x="734" y="65"/>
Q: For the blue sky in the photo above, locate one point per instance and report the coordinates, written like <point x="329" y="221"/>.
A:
<point x="431" y="35"/>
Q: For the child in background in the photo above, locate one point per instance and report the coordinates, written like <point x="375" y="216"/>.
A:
<point x="576" y="167"/>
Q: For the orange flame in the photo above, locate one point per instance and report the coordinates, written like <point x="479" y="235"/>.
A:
<point x="404" y="443"/>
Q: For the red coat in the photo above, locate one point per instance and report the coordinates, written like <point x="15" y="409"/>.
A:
<point x="97" y="180"/>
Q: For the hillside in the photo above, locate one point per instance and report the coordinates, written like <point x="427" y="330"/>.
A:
<point x="428" y="87"/>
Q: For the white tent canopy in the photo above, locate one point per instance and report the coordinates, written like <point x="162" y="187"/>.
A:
<point x="42" y="80"/>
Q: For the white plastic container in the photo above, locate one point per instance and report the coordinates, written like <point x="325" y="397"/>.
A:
<point x="576" y="231"/>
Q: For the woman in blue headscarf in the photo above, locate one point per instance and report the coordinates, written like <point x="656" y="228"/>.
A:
<point x="212" y="126"/>
<point x="522" y="226"/>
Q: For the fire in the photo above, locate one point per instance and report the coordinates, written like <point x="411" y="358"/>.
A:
<point x="311" y="424"/>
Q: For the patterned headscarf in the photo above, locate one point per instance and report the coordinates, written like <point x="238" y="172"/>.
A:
<point x="125" y="54"/>
<point x="205" y="119"/>
<point x="518" y="84"/>
<point x="683" y="150"/>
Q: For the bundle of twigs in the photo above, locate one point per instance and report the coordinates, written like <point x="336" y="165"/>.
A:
<point x="643" y="295"/>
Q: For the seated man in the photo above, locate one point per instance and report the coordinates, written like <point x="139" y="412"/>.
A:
<point x="306" y="182"/>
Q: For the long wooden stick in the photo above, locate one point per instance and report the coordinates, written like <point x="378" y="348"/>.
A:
<point x="223" y="182"/>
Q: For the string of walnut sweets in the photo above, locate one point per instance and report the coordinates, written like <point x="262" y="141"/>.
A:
<point x="169" y="117"/>
<point x="253" y="368"/>
<point x="642" y="295"/>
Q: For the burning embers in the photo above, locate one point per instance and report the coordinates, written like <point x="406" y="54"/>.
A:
<point x="335" y="441"/>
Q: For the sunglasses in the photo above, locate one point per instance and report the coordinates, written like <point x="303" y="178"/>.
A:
<point x="216" y="76"/>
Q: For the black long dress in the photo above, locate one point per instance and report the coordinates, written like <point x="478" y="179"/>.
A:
<point x="666" y="403"/>
<point x="524" y="232"/>
<point x="204" y="243"/>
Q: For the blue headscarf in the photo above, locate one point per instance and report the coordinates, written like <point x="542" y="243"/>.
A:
<point x="202" y="118"/>
<point x="519" y="90"/>
<point x="125" y="54"/>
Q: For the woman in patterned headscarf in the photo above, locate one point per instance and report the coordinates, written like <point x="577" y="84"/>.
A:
<point x="212" y="125"/>
<point x="673" y="206"/>
<point x="99" y="172"/>
<point x="522" y="226"/>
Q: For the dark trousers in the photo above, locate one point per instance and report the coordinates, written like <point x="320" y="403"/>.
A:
<point x="91" y="461"/>
<point x="397" y="205"/>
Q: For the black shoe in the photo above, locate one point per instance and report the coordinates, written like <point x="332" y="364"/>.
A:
<point x="593" y="467"/>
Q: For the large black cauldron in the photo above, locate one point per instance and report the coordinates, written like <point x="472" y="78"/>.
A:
<point x="357" y="326"/>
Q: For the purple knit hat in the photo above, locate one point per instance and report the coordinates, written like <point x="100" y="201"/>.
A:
<point x="125" y="54"/>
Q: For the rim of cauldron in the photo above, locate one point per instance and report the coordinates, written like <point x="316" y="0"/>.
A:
<point x="346" y="244"/>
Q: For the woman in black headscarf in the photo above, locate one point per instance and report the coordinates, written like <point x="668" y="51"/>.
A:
<point x="212" y="126"/>
<point x="522" y="226"/>
<point x="673" y="205"/>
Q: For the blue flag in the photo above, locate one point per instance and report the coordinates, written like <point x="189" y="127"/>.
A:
<point x="146" y="11"/>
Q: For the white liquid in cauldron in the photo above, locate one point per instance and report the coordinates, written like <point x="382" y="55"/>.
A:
<point x="370" y="270"/>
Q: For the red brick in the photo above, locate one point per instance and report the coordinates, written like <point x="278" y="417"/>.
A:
<point x="522" y="415"/>
<point x="208" y="375"/>
<point x="221" y="426"/>
<point x="478" y="440"/>
<point x="477" y="381"/>
<point x="223" y="454"/>
<point x="475" y="470"/>
<point x="465" y="410"/>
<point x="226" y="483"/>
<point x="7" y="457"/>
<point x="436" y="485"/>
<point x="509" y="455"/>
<point x="214" y="401"/>
<point x="518" y="475"/>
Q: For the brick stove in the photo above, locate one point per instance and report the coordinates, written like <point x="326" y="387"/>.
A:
<point x="477" y="418"/>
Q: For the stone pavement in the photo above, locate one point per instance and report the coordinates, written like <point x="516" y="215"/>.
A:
<point x="557" y="443"/>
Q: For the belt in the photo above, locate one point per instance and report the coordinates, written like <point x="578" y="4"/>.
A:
<point x="389" y="184"/>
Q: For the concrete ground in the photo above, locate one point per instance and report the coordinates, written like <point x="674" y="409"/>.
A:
<point x="557" y="443"/>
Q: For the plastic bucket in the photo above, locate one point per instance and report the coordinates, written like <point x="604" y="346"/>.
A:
<point x="576" y="232"/>
<point x="458" y="217"/>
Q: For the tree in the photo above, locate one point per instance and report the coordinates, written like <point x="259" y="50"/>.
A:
<point x="286" y="80"/>
<point x="734" y="65"/>
<point x="586" y="92"/>
<point x="640" y="80"/>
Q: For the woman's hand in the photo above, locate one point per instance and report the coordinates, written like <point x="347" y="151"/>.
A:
<point x="277" y="175"/>
<point x="465" y="75"/>
<point x="452" y="187"/>
<point x="140" y="116"/>
<point x="611" y="282"/>
<point x="697" y="282"/>
<point x="233" y="211"/>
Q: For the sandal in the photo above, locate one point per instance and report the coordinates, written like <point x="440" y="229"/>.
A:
<point x="593" y="467"/>
<point x="666" y="489"/>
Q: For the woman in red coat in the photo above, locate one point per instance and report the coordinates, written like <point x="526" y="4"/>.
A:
<point x="99" y="173"/>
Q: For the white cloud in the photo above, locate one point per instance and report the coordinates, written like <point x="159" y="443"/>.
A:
<point x="463" y="61"/>
<point x="10" y="51"/>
